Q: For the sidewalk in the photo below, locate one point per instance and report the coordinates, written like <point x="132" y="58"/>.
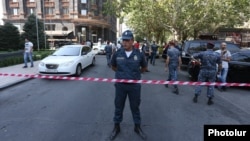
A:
<point x="7" y="81"/>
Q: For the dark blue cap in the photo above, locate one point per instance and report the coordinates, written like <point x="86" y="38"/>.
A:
<point x="127" y="35"/>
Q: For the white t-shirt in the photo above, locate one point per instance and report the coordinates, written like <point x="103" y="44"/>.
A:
<point x="128" y="53"/>
<point x="226" y="55"/>
<point x="28" y="46"/>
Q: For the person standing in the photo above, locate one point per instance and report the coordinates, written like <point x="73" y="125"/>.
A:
<point x="128" y="63"/>
<point x="154" y="49"/>
<point x="209" y="60"/>
<point x="28" y="50"/>
<point x="225" y="57"/>
<point x="173" y="64"/>
<point x="147" y="52"/>
<point x="108" y="51"/>
<point x="137" y="45"/>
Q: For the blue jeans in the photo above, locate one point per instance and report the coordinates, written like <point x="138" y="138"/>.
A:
<point x="26" y="56"/>
<point x="223" y="75"/>
<point x="204" y="76"/>
<point x="133" y="91"/>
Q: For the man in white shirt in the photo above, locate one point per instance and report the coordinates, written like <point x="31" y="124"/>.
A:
<point x="28" y="50"/>
<point x="225" y="57"/>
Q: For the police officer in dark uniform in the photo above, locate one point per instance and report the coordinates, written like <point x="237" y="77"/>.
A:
<point x="108" y="51"/>
<point x="173" y="64"/>
<point x="209" y="60"/>
<point x="128" y="63"/>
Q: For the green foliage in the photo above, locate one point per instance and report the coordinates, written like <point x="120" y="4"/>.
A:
<point x="185" y="18"/>
<point x="9" y="38"/>
<point x="38" y="55"/>
<point x="30" y="32"/>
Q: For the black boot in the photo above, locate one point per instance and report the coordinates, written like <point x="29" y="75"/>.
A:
<point x="139" y="131"/>
<point x="176" y="90"/>
<point x="195" y="99"/>
<point x="210" y="101"/>
<point x="115" y="131"/>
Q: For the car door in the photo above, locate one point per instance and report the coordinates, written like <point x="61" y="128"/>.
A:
<point x="239" y="67"/>
<point x="84" y="58"/>
<point x="87" y="55"/>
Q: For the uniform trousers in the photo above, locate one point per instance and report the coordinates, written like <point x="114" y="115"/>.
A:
<point x="133" y="91"/>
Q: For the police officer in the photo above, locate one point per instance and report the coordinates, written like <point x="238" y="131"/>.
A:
<point x="147" y="52"/>
<point x="108" y="51"/>
<point x="209" y="60"/>
<point x="128" y="63"/>
<point x="154" y="49"/>
<point x="173" y="64"/>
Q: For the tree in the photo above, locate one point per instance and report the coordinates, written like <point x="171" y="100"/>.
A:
<point x="30" y="32"/>
<point x="10" y="37"/>
<point x="185" y="18"/>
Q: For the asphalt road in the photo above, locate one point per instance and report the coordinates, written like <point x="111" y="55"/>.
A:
<point x="60" y="110"/>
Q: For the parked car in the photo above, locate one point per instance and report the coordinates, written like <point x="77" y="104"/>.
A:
<point x="239" y="68"/>
<point x="195" y="46"/>
<point x="67" y="60"/>
<point x="99" y="49"/>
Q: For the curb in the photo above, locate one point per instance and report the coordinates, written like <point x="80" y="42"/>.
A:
<point x="14" y="83"/>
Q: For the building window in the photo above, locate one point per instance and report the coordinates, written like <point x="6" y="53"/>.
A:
<point x="84" y="12"/>
<point x="31" y="10"/>
<point x="65" y="11"/>
<point x="32" y="0"/>
<point x="83" y="1"/>
<point x="49" y="11"/>
<point x="15" y="11"/>
<point x="50" y="27"/>
<point x="14" y="0"/>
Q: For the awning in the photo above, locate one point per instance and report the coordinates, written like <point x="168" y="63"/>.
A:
<point x="57" y="33"/>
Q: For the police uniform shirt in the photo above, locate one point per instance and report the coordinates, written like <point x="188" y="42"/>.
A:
<point x="209" y="59"/>
<point x="108" y="49"/>
<point x="128" y="67"/>
<point x="154" y="48"/>
<point x="173" y="55"/>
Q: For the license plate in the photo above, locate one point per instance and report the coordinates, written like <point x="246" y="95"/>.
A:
<point x="51" y="70"/>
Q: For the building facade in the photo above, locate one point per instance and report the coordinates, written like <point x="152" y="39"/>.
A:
<point x="82" y="19"/>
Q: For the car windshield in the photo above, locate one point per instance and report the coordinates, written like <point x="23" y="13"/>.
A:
<point x="103" y="46"/>
<point x="67" y="51"/>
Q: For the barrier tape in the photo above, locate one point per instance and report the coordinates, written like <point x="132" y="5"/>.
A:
<point x="126" y="80"/>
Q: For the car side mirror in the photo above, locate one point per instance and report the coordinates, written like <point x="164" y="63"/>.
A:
<point x="84" y="53"/>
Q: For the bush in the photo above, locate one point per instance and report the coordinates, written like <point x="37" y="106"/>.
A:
<point x="38" y="55"/>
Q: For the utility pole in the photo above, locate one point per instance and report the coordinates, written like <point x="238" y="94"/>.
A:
<point x="37" y="37"/>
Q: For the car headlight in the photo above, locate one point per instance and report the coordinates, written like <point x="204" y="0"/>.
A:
<point x="67" y="63"/>
<point x="42" y="64"/>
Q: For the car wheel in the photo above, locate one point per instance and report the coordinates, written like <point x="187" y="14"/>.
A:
<point x="78" y="70"/>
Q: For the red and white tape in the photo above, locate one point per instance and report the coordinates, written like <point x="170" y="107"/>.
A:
<point x="125" y="80"/>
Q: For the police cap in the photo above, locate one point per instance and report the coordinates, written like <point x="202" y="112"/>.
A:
<point x="210" y="45"/>
<point x="127" y="35"/>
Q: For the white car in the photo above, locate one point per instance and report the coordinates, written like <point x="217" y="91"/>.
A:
<point x="99" y="49"/>
<point x="67" y="60"/>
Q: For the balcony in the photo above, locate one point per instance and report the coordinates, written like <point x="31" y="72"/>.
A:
<point x="65" y="3"/>
<point x="14" y="16"/>
<point x="14" y="4"/>
<point x="49" y="16"/>
<point x="49" y="4"/>
<point x="31" y="4"/>
<point x="65" y="16"/>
